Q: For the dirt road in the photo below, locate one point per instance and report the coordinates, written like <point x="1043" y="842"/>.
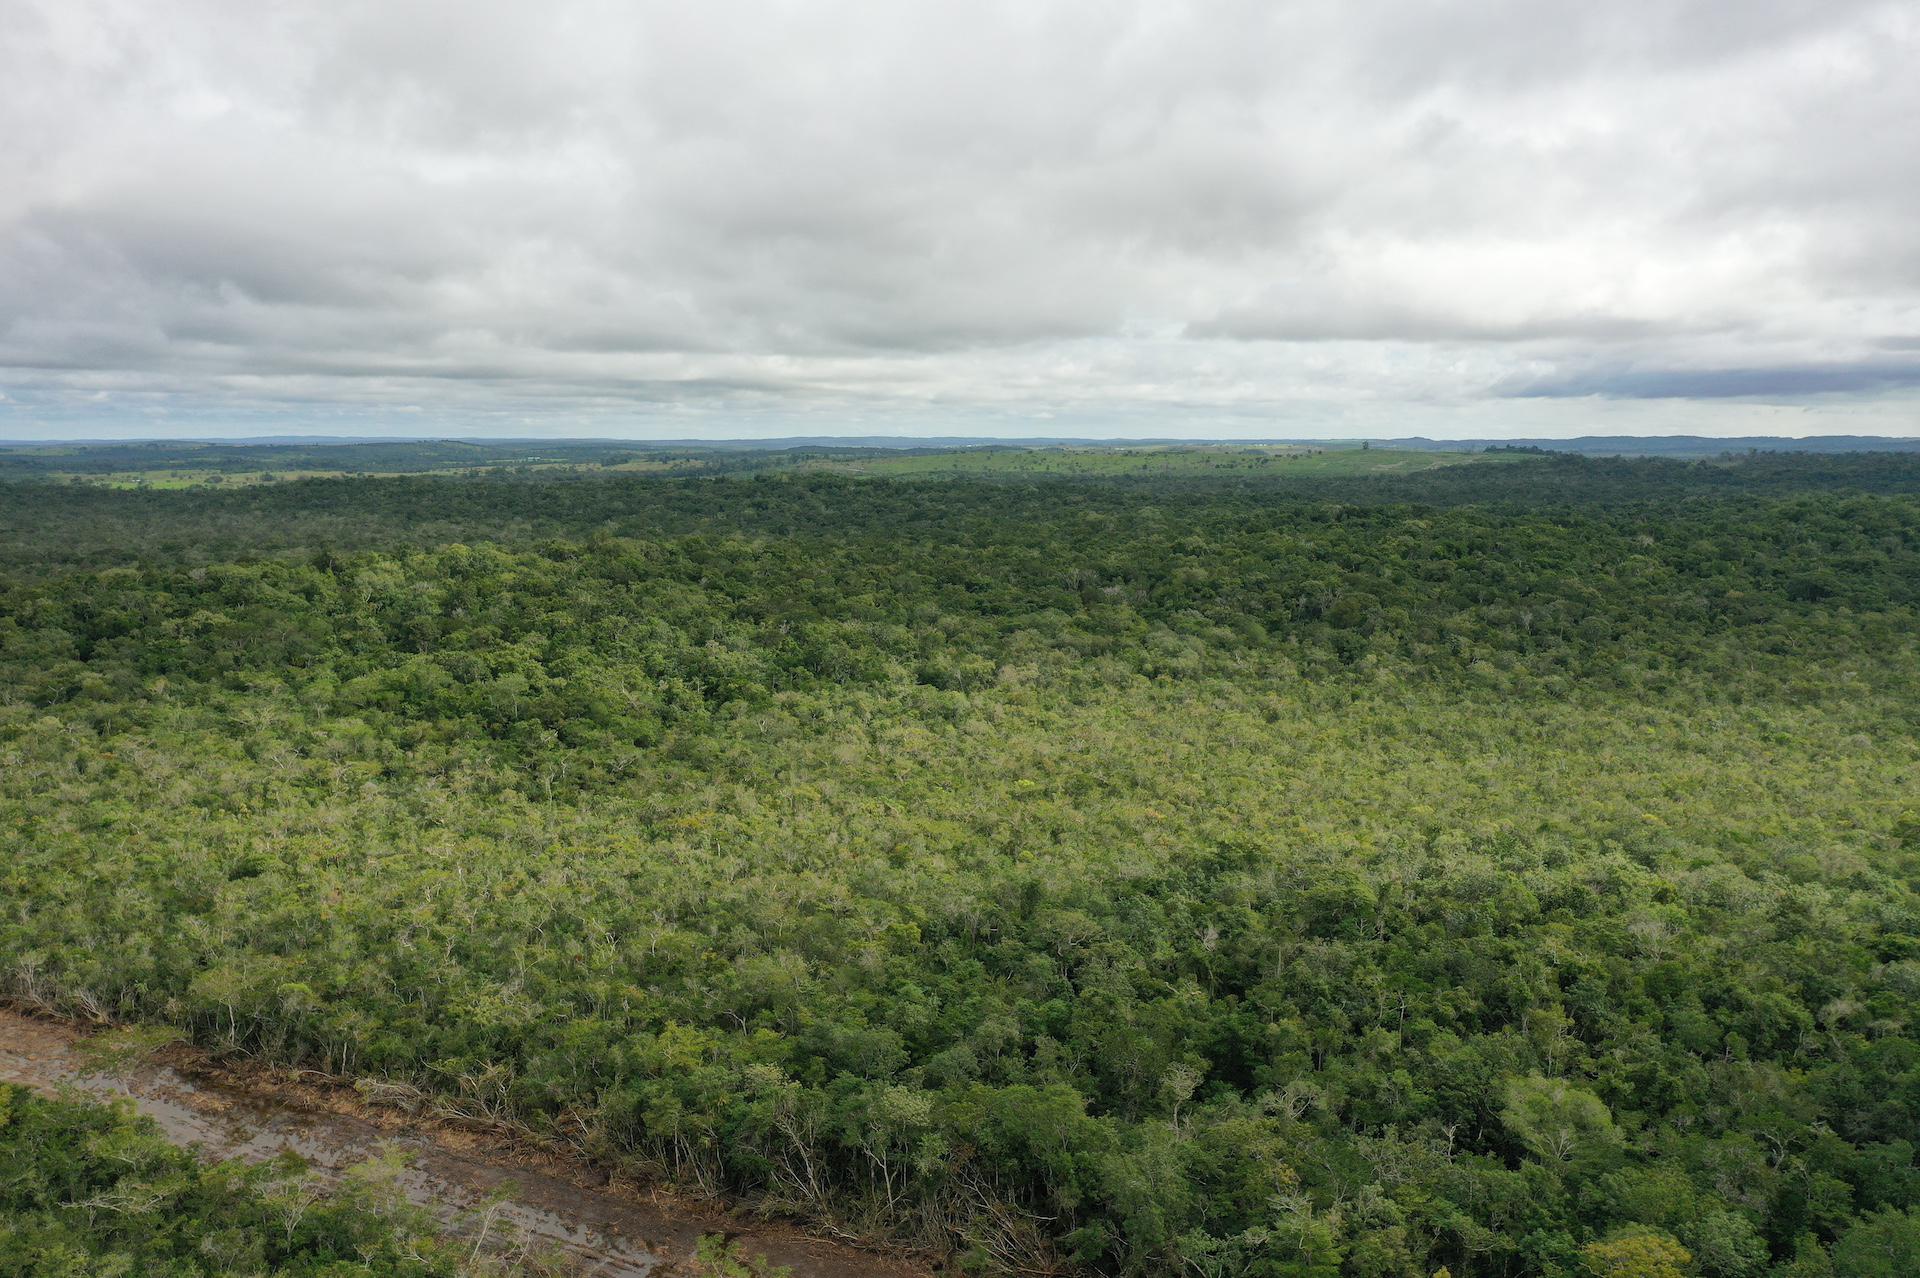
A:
<point x="611" y="1231"/>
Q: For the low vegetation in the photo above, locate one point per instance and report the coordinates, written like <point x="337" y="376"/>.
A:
<point x="92" y="1190"/>
<point x="1153" y="461"/>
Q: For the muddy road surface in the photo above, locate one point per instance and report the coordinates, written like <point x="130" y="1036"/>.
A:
<point x="471" y="1179"/>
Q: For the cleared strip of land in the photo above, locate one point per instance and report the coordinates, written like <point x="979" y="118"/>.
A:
<point x="472" y="1178"/>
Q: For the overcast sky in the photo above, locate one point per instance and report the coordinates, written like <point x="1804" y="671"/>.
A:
<point x="1259" y="219"/>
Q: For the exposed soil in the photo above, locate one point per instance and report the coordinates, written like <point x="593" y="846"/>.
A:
<point x="611" y="1230"/>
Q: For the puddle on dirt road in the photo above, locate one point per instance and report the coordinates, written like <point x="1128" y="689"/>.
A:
<point x="607" y="1235"/>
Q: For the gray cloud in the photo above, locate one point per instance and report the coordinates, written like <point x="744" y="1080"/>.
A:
<point x="1221" y="217"/>
<point x="1778" y="381"/>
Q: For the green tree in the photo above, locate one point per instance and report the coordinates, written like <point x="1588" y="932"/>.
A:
<point x="1885" y="1244"/>
<point x="1639" y="1254"/>
<point x="1555" y="1120"/>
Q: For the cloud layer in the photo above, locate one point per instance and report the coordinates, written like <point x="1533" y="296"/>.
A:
<point x="1221" y="217"/>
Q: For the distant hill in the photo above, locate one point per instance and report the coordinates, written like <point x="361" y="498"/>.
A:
<point x="343" y="452"/>
<point x="1672" y="445"/>
<point x="522" y="442"/>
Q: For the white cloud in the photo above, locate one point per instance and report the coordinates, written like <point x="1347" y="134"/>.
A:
<point x="1225" y="216"/>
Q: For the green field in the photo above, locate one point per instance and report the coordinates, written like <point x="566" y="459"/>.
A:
<point x="182" y="477"/>
<point x="196" y="465"/>
<point x="1149" y="461"/>
<point x="1505" y="868"/>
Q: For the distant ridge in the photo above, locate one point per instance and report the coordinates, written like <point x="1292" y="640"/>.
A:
<point x="1590" y="445"/>
<point x="1672" y="445"/>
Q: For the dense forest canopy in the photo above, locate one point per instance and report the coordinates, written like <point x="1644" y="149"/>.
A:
<point x="1508" y="867"/>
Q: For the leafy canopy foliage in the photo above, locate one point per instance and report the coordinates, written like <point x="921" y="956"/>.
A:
<point x="1637" y="1254"/>
<point x="1197" y="874"/>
